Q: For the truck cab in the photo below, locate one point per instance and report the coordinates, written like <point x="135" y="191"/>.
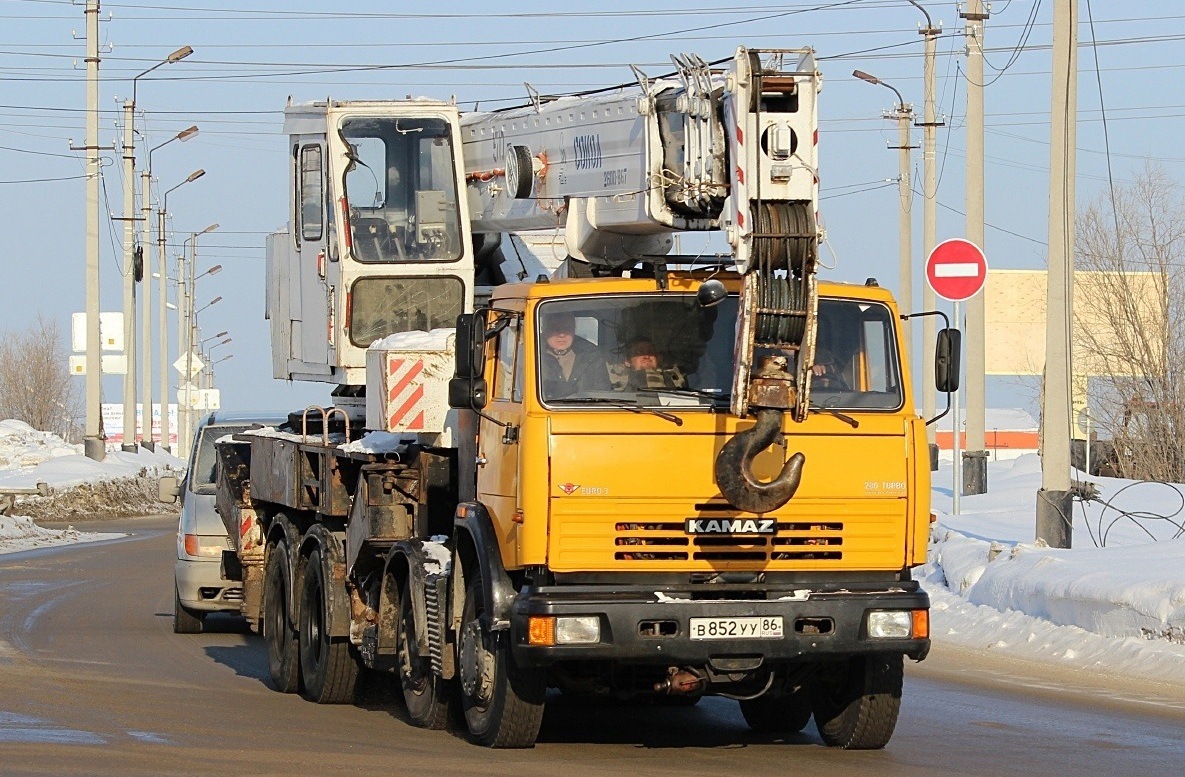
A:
<point x="596" y="511"/>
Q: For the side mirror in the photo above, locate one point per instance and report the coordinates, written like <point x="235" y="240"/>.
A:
<point x="467" y="393"/>
<point x="470" y="345"/>
<point x="948" y="360"/>
<point x="168" y="489"/>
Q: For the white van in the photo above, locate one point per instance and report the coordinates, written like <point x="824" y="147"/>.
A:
<point x="200" y="588"/>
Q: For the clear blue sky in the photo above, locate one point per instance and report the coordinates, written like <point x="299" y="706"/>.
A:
<point x="249" y="58"/>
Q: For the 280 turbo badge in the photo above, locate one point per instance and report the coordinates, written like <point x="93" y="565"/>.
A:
<point x="730" y="526"/>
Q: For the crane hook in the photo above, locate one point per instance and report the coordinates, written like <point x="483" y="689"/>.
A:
<point x="734" y="468"/>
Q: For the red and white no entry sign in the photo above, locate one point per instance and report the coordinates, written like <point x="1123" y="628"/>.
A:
<point x="956" y="269"/>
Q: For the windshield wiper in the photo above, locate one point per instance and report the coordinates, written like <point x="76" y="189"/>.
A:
<point x="622" y="405"/>
<point x="847" y="419"/>
<point x="715" y="396"/>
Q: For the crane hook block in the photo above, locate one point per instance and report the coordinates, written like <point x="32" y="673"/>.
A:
<point x="734" y="468"/>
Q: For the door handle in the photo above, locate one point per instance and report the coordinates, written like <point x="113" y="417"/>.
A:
<point x="481" y="461"/>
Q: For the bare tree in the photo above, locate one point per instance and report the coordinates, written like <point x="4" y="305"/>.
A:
<point x="1137" y="244"/>
<point x="35" y="382"/>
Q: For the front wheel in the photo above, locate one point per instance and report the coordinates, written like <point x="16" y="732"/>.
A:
<point x="425" y="693"/>
<point x="856" y="702"/>
<point x="329" y="669"/>
<point x="503" y="702"/>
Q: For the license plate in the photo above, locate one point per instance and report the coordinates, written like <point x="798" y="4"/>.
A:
<point x="736" y="628"/>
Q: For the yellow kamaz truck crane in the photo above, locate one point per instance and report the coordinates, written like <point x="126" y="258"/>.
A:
<point x="612" y="470"/>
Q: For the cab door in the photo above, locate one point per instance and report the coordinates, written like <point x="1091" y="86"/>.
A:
<point x="498" y="446"/>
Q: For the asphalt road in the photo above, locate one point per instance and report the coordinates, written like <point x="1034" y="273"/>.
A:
<point x="94" y="682"/>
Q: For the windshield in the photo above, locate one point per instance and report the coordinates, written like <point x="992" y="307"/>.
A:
<point x="636" y="348"/>
<point x="401" y="189"/>
<point x="670" y="352"/>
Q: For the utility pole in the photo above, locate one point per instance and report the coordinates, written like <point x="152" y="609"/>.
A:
<point x="93" y="444"/>
<point x="903" y="114"/>
<point x="129" y="276"/>
<point x="146" y="306"/>
<point x="1055" y="500"/>
<point x="975" y="457"/>
<point x="929" y="125"/>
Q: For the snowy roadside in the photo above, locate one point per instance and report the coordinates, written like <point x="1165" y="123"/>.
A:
<point x="78" y="488"/>
<point x="1117" y="609"/>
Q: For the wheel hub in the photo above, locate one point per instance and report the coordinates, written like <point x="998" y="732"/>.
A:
<point x="477" y="664"/>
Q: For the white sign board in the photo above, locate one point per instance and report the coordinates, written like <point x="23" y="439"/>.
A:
<point x="109" y="364"/>
<point x="113" y="422"/>
<point x="110" y="332"/>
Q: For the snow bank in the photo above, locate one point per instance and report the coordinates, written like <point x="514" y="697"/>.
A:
<point x="22" y="446"/>
<point x="122" y="484"/>
<point x="1120" y="607"/>
<point x="19" y="533"/>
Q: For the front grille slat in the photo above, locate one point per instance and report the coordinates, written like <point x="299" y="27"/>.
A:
<point x="651" y="534"/>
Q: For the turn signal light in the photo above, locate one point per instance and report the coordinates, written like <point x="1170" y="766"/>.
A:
<point x="921" y="624"/>
<point x="541" y="630"/>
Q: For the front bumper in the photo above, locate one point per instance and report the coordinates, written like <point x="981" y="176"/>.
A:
<point x="201" y="587"/>
<point x="642" y="625"/>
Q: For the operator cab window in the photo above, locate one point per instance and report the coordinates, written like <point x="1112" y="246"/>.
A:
<point x="401" y="190"/>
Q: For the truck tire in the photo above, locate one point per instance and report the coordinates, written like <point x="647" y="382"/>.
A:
<point x="185" y="620"/>
<point x="780" y="713"/>
<point x="856" y="703"/>
<point x="279" y="633"/>
<point x="425" y="693"/>
<point x="328" y="666"/>
<point x="503" y="702"/>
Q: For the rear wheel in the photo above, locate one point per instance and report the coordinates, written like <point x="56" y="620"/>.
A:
<point x="185" y="620"/>
<point x="778" y="713"/>
<point x="279" y="633"/>
<point x="856" y="703"/>
<point x="425" y="693"/>
<point x="503" y="702"/>
<point x="326" y="663"/>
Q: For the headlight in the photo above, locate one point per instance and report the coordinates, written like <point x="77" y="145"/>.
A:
<point x="890" y="624"/>
<point x="580" y="630"/>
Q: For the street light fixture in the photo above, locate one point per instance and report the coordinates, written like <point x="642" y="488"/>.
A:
<point x="162" y="324"/>
<point x="187" y="333"/>
<point x="902" y="114"/>
<point x="130" y="270"/>
<point x="145" y="308"/>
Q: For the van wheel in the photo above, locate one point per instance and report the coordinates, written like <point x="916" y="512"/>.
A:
<point x="425" y="693"/>
<point x="185" y="620"/>
<point x="503" y="702"/>
<point x="856" y="702"/>
<point x="327" y="664"/>
<point x="283" y="650"/>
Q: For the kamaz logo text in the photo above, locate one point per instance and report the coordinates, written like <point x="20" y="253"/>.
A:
<point x="731" y="526"/>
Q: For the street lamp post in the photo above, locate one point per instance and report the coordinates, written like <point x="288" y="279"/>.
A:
<point x="187" y="325"/>
<point x="929" y="125"/>
<point x="145" y="308"/>
<point x="903" y="113"/>
<point x="129" y="255"/>
<point x="162" y="324"/>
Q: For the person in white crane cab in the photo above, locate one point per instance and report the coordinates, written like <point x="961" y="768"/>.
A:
<point x="642" y="369"/>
